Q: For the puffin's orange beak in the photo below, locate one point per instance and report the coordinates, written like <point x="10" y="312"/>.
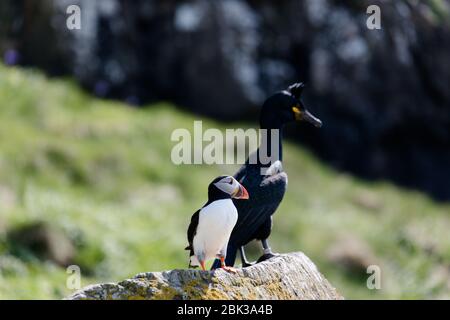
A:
<point x="240" y="193"/>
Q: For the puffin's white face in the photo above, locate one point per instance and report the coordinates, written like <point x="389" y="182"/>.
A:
<point x="232" y="187"/>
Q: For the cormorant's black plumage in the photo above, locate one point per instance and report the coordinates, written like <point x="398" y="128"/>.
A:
<point x="266" y="191"/>
<point x="255" y="215"/>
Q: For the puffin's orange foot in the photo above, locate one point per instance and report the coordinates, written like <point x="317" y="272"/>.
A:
<point x="229" y="269"/>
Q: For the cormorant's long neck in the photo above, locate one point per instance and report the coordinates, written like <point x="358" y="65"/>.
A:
<point x="271" y="142"/>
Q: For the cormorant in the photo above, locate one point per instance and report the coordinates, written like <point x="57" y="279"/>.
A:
<point x="211" y="226"/>
<point x="266" y="187"/>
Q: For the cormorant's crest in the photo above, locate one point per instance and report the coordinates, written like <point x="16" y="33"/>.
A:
<point x="286" y="106"/>
<point x="296" y="89"/>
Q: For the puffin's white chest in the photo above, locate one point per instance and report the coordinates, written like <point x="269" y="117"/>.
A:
<point x="215" y="223"/>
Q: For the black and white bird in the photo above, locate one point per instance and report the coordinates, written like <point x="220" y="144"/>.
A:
<point x="266" y="182"/>
<point x="211" y="226"/>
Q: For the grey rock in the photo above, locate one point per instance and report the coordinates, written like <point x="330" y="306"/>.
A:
<point x="287" y="276"/>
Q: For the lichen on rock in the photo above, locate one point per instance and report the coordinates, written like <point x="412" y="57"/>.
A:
<point x="286" y="276"/>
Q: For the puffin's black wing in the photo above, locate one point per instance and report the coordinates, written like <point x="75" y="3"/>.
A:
<point x="192" y="230"/>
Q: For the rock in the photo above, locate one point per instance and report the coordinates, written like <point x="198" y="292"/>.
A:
<point x="44" y="241"/>
<point x="287" y="276"/>
<point x="369" y="201"/>
<point x="351" y="254"/>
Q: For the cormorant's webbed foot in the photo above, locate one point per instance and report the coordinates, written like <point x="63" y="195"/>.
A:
<point x="246" y="264"/>
<point x="265" y="256"/>
<point x="244" y="260"/>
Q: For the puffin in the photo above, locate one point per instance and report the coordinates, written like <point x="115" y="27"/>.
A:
<point x="266" y="182"/>
<point x="210" y="227"/>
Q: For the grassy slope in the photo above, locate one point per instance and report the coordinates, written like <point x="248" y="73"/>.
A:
<point x="101" y="171"/>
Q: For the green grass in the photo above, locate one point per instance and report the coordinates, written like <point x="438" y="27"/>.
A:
<point x="100" y="171"/>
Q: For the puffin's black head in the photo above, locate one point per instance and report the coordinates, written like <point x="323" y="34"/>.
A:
<point x="284" y="107"/>
<point x="226" y="187"/>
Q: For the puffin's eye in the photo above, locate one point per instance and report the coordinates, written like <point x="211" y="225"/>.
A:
<point x="231" y="181"/>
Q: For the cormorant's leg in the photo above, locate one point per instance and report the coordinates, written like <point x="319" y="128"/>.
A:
<point x="267" y="251"/>
<point x="244" y="260"/>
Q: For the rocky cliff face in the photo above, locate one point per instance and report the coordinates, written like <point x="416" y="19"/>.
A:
<point x="288" y="276"/>
<point x="382" y="94"/>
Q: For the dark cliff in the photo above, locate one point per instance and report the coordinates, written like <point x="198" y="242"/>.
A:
<point x="382" y="94"/>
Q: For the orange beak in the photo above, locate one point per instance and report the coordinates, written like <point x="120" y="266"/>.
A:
<point x="241" y="193"/>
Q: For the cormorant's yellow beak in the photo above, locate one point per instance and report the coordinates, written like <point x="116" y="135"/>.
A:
<point x="306" y="116"/>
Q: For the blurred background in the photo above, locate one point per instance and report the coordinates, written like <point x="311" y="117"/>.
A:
<point x="86" y="117"/>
